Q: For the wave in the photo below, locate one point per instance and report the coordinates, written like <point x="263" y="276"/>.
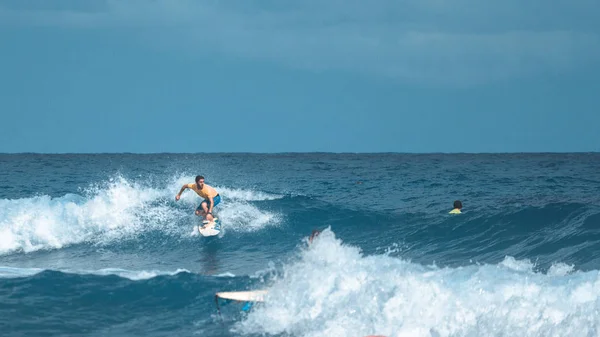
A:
<point x="332" y="289"/>
<point x="117" y="210"/>
<point x="565" y="231"/>
<point x="246" y="195"/>
<point x="133" y="275"/>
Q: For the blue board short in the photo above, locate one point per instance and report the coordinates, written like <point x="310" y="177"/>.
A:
<point x="216" y="199"/>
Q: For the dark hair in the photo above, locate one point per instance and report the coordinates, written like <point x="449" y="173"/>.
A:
<point x="198" y="178"/>
<point x="313" y="235"/>
<point x="458" y="204"/>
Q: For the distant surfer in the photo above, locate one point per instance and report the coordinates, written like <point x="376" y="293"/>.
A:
<point x="210" y="195"/>
<point x="457" y="207"/>
<point x="313" y="235"/>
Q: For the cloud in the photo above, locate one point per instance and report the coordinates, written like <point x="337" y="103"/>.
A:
<point x="461" y="42"/>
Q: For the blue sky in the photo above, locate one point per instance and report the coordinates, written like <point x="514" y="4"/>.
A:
<point x="288" y="76"/>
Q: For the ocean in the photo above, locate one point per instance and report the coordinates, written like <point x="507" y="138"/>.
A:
<point x="96" y="245"/>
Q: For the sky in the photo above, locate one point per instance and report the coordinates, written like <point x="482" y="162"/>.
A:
<point x="418" y="76"/>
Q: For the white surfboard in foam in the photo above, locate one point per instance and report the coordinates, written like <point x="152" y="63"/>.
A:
<point x="210" y="228"/>
<point x="253" y="295"/>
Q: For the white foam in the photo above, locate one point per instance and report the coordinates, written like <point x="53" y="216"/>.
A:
<point x="134" y="275"/>
<point x="560" y="269"/>
<point x="11" y="272"/>
<point x="116" y="210"/>
<point x="517" y="265"/>
<point x="243" y="217"/>
<point x="333" y="290"/>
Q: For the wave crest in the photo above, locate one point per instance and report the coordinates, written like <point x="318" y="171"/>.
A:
<point x="354" y="295"/>
<point x="116" y="210"/>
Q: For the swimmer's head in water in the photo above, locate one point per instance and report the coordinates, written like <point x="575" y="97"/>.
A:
<point x="313" y="235"/>
<point x="457" y="204"/>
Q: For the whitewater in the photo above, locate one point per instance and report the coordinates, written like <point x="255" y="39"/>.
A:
<point x="96" y="245"/>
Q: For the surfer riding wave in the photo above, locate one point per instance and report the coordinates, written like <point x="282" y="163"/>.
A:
<point x="210" y="195"/>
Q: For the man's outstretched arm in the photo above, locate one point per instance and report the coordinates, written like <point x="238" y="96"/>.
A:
<point x="181" y="191"/>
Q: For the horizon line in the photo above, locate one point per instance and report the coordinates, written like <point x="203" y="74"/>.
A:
<point x="299" y="152"/>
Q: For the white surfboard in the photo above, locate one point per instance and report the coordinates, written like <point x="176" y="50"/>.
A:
<point x="249" y="297"/>
<point x="253" y="295"/>
<point x="210" y="228"/>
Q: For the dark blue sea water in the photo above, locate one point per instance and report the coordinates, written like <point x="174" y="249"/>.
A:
<point x="96" y="245"/>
